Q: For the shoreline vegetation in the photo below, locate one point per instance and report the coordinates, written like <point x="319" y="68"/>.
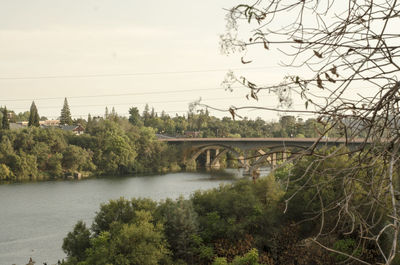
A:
<point x="115" y="145"/>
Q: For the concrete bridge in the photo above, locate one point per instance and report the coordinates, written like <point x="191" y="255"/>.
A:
<point x="251" y="153"/>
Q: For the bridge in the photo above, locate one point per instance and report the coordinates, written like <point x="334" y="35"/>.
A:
<point x="251" y="153"/>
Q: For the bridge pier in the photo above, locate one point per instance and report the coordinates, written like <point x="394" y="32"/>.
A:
<point x="244" y="161"/>
<point x="208" y="159"/>
<point x="284" y="156"/>
<point x="273" y="160"/>
<point x="215" y="163"/>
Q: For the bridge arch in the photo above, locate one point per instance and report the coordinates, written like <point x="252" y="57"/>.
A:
<point x="224" y="148"/>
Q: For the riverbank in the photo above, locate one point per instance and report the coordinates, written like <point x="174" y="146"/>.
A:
<point x="36" y="216"/>
<point x="228" y="172"/>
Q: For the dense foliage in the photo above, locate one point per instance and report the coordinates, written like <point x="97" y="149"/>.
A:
<point x="108" y="147"/>
<point x="241" y="223"/>
<point x="210" y="126"/>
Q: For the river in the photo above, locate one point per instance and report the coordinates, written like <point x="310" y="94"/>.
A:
<point x="36" y="216"/>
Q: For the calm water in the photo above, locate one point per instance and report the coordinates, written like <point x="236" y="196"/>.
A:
<point x="35" y="217"/>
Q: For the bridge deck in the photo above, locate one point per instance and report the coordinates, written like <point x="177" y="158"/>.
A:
<point x="276" y="140"/>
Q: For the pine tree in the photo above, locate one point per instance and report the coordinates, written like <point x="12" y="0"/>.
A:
<point x="33" y="116"/>
<point x="89" y="119"/>
<point x="114" y="114"/>
<point x="106" y="114"/>
<point x="65" y="117"/>
<point x="5" y="122"/>
<point x="146" y="114"/>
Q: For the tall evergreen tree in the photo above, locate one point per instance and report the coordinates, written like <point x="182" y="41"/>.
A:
<point x="146" y="115"/>
<point x="106" y="114"/>
<point x="33" y="116"/>
<point x="5" y="122"/>
<point x="65" y="117"/>
<point x="113" y="114"/>
<point x="146" y="111"/>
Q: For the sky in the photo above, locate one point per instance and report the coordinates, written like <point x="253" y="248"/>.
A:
<point x="122" y="54"/>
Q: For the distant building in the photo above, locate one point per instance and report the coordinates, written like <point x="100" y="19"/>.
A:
<point x="23" y="123"/>
<point x="192" y="134"/>
<point x="49" y="123"/>
<point x="76" y="129"/>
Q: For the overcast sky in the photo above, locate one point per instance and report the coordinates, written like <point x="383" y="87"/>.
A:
<point x="121" y="53"/>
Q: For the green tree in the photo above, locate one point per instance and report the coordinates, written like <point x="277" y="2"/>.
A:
<point x="77" y="241"/>
<point x="139" y="243"/>
<point x="22" y="116"/>
<point x="5" y="122"/>
<point x="121" y="211"/>
<point x="76" y="158"/>
<point x="54" y="165"/>
<point x="117" y="154"/>
<point x="114" y="115"/>
<point x="180" y="225"/>
<point x="146" y="115"/>
<point x="65" y="117"/>
<point x="99" y="253"/>
<point x="134" y="117"/>
<point x="106" y="114"/>
<point x="5" y="172"/>
<point x="33" y="116"/>
<point x="23" y="165"/>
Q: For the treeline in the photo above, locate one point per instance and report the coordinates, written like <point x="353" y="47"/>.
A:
<point x="116" y="145"/>
<point x="209" y="126"/>
<point x="109" y="146"/>
<point x="242" y="223"/>
<point x="198" y="124"/>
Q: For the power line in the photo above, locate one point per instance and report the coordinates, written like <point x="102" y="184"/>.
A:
<point x="140" y="103"/>
<point x="128" y="74"/>
<point x="122" y="94"/>
<point x="115" y="95"/>
<point x="127" y="94"/>
<point x="127" y="103"/>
